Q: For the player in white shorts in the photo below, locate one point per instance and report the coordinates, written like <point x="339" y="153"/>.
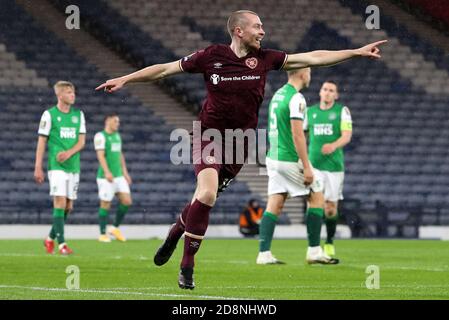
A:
<point x="329" y="125"/>
<point x="63" y="129"/>
<point x="290" y="172"/>
<point x="112" y="178"/>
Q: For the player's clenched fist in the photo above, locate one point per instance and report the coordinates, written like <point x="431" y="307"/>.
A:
<point x="63" y="156"/>
<point x="39" y="175"/>
<point x="308" y="176"/>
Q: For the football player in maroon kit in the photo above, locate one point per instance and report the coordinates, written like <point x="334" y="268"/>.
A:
<point x="235" y="78"/>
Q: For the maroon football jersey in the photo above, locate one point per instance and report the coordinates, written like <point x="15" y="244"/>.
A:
<point x="235" y="86"/>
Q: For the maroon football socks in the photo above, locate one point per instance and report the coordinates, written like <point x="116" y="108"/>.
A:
<point x="196" y="226"/>
<point x="179" y="227"/>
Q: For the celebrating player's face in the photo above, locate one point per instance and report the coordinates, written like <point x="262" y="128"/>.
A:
<point x="66" y="95"/>
<point x="252" y="32"/>
<point x="328" y="92"/>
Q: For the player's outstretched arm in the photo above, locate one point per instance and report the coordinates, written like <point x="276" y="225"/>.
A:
<point x="327" y="58"/>
<point x="151" y="73"/>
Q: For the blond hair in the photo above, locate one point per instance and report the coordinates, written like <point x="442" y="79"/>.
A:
<point x="237" y="19"/>
<point x="62" y="84"/>
<point x="293" y="72"/>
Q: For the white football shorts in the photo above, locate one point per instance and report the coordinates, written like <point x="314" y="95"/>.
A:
<point x="107" y="190"/>
<point x="333" y="185"/>
<point x="63" y="184"/>
<point x="288" y="177"/>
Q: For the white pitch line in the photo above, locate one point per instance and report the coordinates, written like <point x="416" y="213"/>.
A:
<point x="396" y="267"/>
<point x="167" y="295"/>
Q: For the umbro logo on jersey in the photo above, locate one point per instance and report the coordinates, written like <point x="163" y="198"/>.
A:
<point x="218" y="65"/>
<point x="251" y="62"/>
<point x="195" y="244"/>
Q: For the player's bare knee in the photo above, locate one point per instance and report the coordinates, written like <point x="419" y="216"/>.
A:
<point x="330" y="209"/>
<point x="207" y="197"/>
<point x="69" y="207"/>
<point x="105" y="205"/>
<point x="60" y="202"/>
<point x="278" y="208"/>
<point x="316" y="200"/>
<point x="127" y="201"/>
<point x="275" y="203"/>
<point x="275" y="207"/>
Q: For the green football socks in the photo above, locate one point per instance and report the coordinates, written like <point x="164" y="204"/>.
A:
<point x="58" y="225"/>
<point x="121" y="212"/>
<point x="52" y="234"/>
<point x="266" y="230"/>
<point x="314" y="218"/>
<point x="331" y="227"/>
<point x="103" y="219"/>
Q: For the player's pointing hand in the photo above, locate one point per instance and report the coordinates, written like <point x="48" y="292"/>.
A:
<point x="111" y="85"/>
<point x="371" y="50"/>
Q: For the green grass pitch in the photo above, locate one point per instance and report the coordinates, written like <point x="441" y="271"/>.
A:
<point x="226" y="269"/>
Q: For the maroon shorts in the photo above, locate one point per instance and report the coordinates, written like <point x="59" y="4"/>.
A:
<point x="221" y="157"/>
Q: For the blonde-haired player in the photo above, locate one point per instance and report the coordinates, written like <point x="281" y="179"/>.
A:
<point x="63" y="128"/>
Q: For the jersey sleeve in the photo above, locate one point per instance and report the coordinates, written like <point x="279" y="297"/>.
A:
<point x="346" y="120"/>
<point x="297" y="106"/>
<point x="194" y="63"/>
<point x="99" y="141"/>
<point x="305" y="124"/>
<point x="82" y="124"/>
<point x="45" y="124"/>
<point x="274" y="59"/>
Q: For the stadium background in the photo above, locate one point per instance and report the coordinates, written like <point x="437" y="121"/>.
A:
<point x="397" y="164"/>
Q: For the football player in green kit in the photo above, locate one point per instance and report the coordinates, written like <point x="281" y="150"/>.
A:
<point x="329" y="125"/>
<point x="112" y="177"/>
<point x="289" y="170"/>
<point x="63" y="128"/>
